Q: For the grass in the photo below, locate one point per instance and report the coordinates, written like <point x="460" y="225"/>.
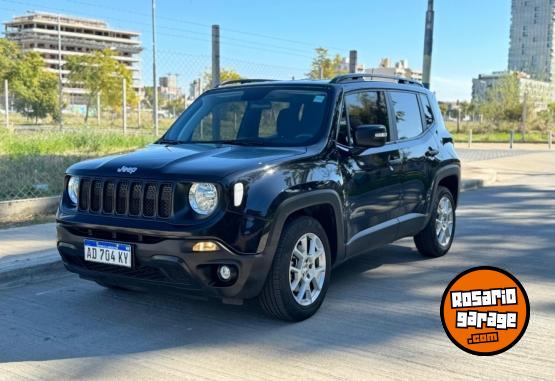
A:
<point x="32" y="164"/>
<point x="482" y="133"/>
<point x="52" y="142"/>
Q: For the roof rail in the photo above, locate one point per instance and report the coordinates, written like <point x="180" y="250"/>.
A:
<point x="371" y="76"/>
<point x="243" y="81"/>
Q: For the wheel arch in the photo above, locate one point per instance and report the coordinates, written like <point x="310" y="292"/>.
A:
<point x="449" y="177"/>
<point x="319" y="204"/>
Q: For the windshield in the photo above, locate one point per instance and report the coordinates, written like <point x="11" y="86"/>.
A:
<point x="253" y="116"/>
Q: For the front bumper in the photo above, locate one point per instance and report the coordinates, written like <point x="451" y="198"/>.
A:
<point x="165" y="263"/>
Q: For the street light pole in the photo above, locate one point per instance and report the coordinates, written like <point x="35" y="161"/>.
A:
<point x="154" y="79"/>
<point x="60" y="84"/>
<point x="428" y="42"/>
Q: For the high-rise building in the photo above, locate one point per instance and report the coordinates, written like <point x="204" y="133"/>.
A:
<point x="532" y="38"/>
<point x="38" y="32"/>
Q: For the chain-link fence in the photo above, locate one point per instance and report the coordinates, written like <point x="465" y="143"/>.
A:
<point x="35" y="152"/>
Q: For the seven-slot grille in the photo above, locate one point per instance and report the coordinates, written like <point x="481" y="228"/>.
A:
<point x="126" y="197"/>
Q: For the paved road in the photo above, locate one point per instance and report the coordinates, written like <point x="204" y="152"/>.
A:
<point x="380" y="319"/>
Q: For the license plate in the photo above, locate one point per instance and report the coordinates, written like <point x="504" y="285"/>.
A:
<point x="111" y="253"/>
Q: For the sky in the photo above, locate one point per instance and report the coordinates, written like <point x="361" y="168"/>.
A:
<point x="276" y="39"/>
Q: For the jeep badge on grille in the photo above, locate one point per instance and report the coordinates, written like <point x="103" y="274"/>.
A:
<point x="129" y="170"/>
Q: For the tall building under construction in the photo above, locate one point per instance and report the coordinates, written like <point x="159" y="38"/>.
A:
<point x="39" y="32"/>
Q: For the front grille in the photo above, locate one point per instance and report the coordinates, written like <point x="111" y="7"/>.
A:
<point x="121" y="198"/>
<point x="96" y="195"/>
<point x="149" y="204"/>
<point x="84" y="193"/>
<point x="108" y="198"/>
<point x="136" y="198"/>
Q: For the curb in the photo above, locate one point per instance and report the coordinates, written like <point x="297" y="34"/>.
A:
<point x="471" y="184"/>
<point x="28" y="207"/>
<point x="488" y="177"/>
<point x="29" y="267"/>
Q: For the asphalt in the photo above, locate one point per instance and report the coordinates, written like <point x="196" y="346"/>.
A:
<point x="380" y="318"/>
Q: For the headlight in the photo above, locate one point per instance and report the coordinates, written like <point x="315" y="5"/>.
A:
<point x="203" y="198"/>
<point x="73" y="189"/>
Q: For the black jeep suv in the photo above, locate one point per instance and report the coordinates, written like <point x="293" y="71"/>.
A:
<point x="260" y="188"/>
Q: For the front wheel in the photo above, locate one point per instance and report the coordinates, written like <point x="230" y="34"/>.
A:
<point x="437" y="237"/>
<point x="300" y="274"/>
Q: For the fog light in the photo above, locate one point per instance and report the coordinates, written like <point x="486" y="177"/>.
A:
<point x="224" y="273"/>
<point x="205" y="246"/>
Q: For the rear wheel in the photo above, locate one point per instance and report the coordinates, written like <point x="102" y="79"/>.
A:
<point x="300" y="274"/>
<point x="436" y="238"/>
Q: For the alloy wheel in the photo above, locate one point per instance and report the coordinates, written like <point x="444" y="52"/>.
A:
<point x="307" y="269"/>
<point x="444" y="221"/>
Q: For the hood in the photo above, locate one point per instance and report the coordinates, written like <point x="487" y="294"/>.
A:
<point x="198" y="161"/>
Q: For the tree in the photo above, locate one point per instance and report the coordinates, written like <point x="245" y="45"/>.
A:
<point x="35" y="89"/>
<point x="100" y="73"/>
<point x="225" y="75"/>
<point x="502" y="100"/>
<point x="9" y="56"/>
<point x="325" y="67"/>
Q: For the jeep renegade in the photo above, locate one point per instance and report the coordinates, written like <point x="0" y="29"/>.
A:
<point x="261" y="187"/>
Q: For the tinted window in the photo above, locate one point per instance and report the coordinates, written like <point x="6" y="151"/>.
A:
<point x="407" y="114"/>
<point x="428" y="113"/>
<point x="258" y="115"/>
<point x="368" y="107"/>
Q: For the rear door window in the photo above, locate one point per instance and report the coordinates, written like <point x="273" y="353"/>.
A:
<point x="366" y="107"/>
<point x="408" y="119"/>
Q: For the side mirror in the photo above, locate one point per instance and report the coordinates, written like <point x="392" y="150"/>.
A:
<point x="370" y="135"/>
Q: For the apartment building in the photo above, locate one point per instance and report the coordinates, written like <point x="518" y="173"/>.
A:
<point x="39" y="32"/>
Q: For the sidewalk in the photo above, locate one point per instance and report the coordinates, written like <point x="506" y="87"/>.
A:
<point x="27" y="252"/>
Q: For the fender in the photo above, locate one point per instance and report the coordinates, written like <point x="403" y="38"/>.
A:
<point x="270" y="240"/>
<point x="443" y="172"/>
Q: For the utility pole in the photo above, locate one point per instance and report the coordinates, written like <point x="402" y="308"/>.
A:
<point x="352" y="61"/>
<point x="428" y="43"/>
<point x="124" y="104"/>
<point x="139" y="107"/>
<point x="215" y="56"/>
<point x="6" y="105"/>
<point x="60" y="89"/>
<point x="154" y="78"/>
<point x="98" y="108"/>
<point x="524" y="116"/>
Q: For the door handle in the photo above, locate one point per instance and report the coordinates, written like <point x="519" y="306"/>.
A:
<point x="431" y="152"/>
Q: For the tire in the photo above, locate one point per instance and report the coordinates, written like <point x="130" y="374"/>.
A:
<point x="277" y="297"/>
<point x="427" y="241"/>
